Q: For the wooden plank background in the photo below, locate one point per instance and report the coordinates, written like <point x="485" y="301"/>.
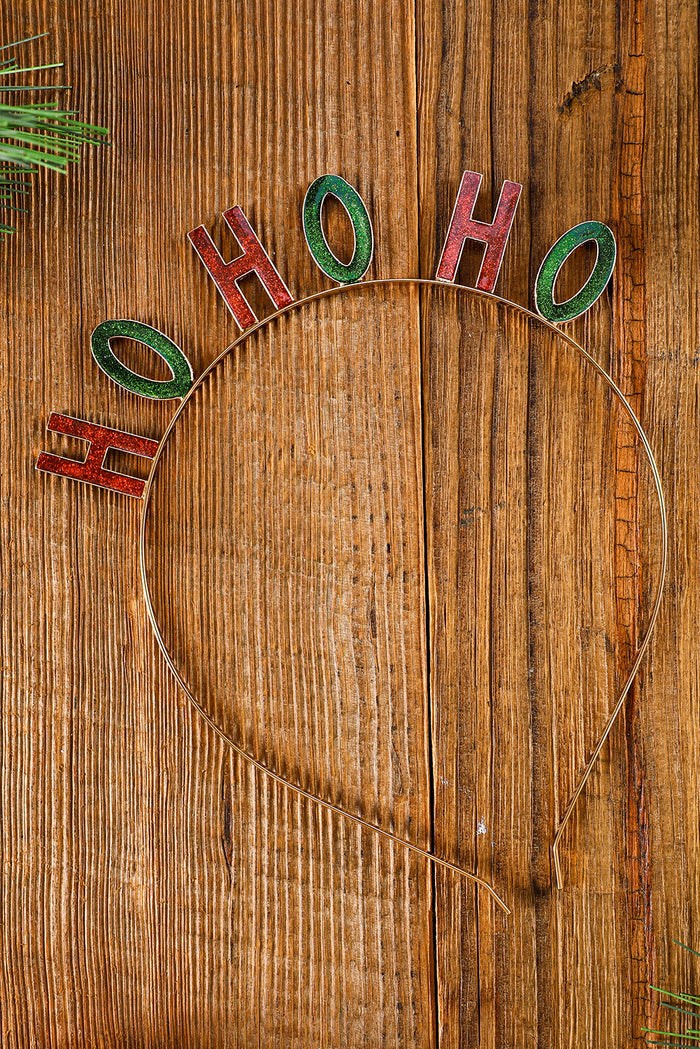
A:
<point x="156" y="892"/>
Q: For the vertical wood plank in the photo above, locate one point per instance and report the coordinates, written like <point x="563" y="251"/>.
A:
<point x="155" y="891"/>
<point x="592" y="101"/>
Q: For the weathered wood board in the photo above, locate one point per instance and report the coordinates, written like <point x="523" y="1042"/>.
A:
<point x="420" y="574"/>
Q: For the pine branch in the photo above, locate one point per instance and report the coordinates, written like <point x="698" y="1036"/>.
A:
<point x="35" y="135"/>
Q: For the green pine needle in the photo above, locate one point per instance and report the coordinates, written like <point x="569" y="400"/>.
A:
<point x="690" y="1038"/>
<point x="677" y="1009"/>
<point x="673" y="1034"/>
<point x="35" y="135"/>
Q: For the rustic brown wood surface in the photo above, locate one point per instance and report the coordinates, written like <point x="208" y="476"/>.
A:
<point x="444" y="548"/>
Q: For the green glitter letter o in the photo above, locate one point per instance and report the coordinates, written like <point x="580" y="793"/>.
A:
<point x="316" y="238"/>
<point x="173" y="356"/>
<point x="594" y="286"/>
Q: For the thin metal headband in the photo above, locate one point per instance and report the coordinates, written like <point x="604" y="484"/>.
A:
<point x="640" y="653"/>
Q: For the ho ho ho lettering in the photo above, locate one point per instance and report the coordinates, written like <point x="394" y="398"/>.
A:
<point x="253" y="259"/>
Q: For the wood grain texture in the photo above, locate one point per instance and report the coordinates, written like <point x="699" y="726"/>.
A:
<point x="142" y="864"/>
<point x="522" y="437"/>
<point x="582" y="107"/>
<point x="155" y="890"/>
